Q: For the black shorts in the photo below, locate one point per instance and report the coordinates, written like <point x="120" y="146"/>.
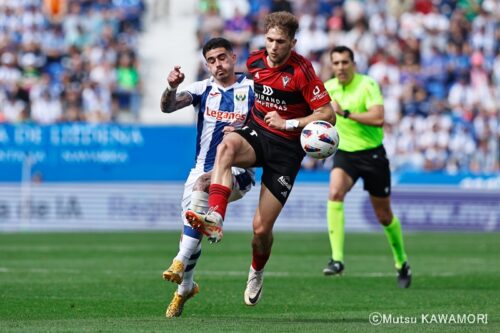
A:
<point x="371" y="165"/>
<point x="279" y="158"/>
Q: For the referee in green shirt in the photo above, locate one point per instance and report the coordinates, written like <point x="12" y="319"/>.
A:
<point x="359" y="103"/>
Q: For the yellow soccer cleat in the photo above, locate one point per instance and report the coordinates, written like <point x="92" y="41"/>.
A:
<point x="177" y="304"/>
<point x="175" y="272"/>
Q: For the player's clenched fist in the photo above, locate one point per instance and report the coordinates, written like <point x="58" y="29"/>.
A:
<point x="175" y="77"/>
<point x="274" y="120"/>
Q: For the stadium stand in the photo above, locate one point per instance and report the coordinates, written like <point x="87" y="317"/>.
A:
<point x="168" y="40"/>
<point x="438" y="63"/>
<point x="69" y="60"/>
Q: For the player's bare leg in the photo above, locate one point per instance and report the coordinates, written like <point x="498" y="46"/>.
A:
<point x="267" y="212"/>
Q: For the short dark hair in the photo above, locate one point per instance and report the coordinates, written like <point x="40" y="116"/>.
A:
<point x="284" y="21"/>
<point x="342" y="49"/>
<point x="215" y="43"/>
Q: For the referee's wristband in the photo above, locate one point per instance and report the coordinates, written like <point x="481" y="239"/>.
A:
<point x="347" y="113"/>
<point x="291" y="124"/>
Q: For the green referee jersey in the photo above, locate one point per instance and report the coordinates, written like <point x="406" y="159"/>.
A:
<point x="357" y="97"/>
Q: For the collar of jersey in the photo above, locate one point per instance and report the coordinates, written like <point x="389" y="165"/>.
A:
<point x="239" y="79"/>
<point x="355" y="80"/>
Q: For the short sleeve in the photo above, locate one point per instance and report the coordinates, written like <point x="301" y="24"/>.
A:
<point x="312" y="88"/>
<point x="196" y="90"/>
<point x="373" y="94"/>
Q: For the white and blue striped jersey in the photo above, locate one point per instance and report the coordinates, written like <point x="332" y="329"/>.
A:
<point x="217" y="107"/>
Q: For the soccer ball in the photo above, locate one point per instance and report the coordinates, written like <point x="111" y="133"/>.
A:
<point x="319" y="139"/>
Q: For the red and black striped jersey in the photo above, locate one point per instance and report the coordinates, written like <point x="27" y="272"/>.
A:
<point x="292" y="89"/>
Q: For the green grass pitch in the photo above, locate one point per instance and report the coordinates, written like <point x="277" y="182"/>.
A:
<point x="111" y="282"/>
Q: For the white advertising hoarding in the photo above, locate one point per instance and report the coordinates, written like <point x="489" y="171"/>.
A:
<point x="142" y="206"/>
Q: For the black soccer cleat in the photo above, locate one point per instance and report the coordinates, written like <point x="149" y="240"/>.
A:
<point x="334" y="268"/>
<point x="404" y="276"/>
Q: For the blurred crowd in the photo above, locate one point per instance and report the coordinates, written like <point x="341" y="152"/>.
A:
<point x="69" y="60"/>
<point x="437" y="61"/>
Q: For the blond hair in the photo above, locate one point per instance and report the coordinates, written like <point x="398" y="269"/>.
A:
<point x="284" y="21"/>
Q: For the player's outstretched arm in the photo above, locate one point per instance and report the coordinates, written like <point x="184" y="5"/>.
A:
<point x="170" y="99"/>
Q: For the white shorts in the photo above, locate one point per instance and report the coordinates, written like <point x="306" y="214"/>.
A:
<point x="243" y="180"/>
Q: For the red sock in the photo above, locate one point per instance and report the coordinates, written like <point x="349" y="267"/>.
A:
<point x="218" y="196"/>
<point x="259" y="260"/>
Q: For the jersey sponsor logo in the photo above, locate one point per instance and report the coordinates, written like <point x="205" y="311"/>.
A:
<point x="285" y="80"/>
<point x="267" y="90"/>
<point x="271" y="105"/>
<point x="270" y="102"/>
<point x="268" y="99"/>
<point x="284" y="194"/>
<point x="318" y="95"/>
<point x="257" y="76"/>
<point x="215" y="93"/>
<point x="225" y="116"/>
<point x="285" y="181"/>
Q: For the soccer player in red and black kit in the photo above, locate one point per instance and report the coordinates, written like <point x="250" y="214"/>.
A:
<point x="288" y="95"/>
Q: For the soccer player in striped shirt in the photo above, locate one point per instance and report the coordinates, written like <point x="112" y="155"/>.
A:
<point x="222" y="103"/>
<point x="288" y="95"/>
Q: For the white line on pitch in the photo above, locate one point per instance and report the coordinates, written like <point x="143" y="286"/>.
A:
<point x="222" y="273"/>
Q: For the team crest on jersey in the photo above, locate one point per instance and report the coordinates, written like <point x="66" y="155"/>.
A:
<point x="285" y="80"/>
<point x="240" y="97"/>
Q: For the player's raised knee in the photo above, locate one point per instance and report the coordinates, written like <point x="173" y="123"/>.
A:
<point x="226" y="151"/>
<point x="202" y="183"/>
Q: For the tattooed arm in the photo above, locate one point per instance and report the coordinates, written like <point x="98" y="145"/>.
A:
<point x="170" y="100"/>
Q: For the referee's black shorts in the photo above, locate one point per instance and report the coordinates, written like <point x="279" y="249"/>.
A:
<point x="279" y="158"/>
<point x="371" y="165"/>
